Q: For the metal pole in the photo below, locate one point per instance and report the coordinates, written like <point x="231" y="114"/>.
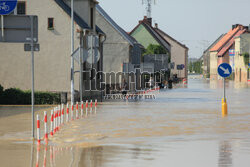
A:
<point x="80" y="63"/>
<point x="32" y="75"/>
<point x="248" y="69"/>
<point x="92" y="54"/>
<point x="224" y="88"/>
<point x="72" y="50"/>
<point x="2" y="25"/>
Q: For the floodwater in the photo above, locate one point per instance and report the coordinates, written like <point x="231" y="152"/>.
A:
<point x="181" y="127"/>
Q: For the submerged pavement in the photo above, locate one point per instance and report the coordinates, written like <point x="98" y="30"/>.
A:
<point x="181" y="127"/>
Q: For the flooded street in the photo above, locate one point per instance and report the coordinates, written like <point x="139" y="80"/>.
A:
<point x="181" y="127"/>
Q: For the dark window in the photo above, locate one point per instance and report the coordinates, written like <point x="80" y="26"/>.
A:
<point x="21" y="8"/>
<point x="50" y="23"/>
<point x="91" y="17"/>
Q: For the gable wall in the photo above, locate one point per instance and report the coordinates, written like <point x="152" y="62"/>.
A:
<point x="142" y="35"/>
<point x="116" y="49"/>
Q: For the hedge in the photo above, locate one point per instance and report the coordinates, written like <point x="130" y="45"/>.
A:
<point x="18" y="96"/>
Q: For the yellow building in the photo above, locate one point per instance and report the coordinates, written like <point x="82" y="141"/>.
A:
<point x="242" y="46"/>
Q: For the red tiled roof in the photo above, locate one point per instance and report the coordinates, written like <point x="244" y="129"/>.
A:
<point x="230" y="43"/>
<point x="225" y="39"/>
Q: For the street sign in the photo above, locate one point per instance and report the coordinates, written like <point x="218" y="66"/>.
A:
<point x="231" y="52"/>
<point x="17" y="29"/>
<point x="27" y="47"/>
<point x="7" y="6"/>
<point x="172" y="65"/>
<point x="93" y="58"/>
<point x="75" y="55"/>
<point x="180" y="67"/>
<point x="224" y="70"/>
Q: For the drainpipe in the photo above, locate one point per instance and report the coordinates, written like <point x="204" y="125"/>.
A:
<point x="102" y="42"/>
<point x="72" y="51"/>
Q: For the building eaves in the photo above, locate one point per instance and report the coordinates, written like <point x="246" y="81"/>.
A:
<point x="214" y="43"/>
<point x="157" y="36"/>
<point x="77" y="18"/>
<point x="165" y="34"/>
<point x="115" y="25"/>
<point x="225" y="39"/>
<point x="227" y="46"/>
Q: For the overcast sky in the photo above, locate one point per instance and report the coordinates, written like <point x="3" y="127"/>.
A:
<point x="195" y="23"/>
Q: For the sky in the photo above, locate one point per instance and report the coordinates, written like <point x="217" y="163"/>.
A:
<point x="195" y="23"/>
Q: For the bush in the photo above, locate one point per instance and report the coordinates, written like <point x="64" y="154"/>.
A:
<point x="17" y="96"/>
<point x="1" y="94"/>
<point x="246" y="58"/>
<point x="155" y="49"/>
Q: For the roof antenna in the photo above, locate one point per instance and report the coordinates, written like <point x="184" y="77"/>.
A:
<point x="148" y="7"/>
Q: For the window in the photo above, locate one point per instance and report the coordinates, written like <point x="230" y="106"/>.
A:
<point x="50" y="23"/>
<point x="21" y="8"/>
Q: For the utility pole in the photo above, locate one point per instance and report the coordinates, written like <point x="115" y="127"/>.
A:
<point x="72" y="51"/>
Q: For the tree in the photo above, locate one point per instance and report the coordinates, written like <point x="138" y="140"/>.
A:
<point x="154" y="49"/>
<point x="195" y="66"/>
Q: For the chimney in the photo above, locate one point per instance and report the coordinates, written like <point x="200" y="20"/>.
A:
<point x="156" y="25"/>
<point x="149" y="21"/>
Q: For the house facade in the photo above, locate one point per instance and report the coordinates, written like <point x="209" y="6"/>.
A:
<point x="242" y="47"/>
<point x="145" y="34"/>
<point x="179" y="54"/>
<point x="52" y="62"/>
<point x="219" y="53"/>
<point x="119" y="47"/>
<point x="206" y="58"/>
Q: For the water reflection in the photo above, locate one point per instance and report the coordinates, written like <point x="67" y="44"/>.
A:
<point x="225" y="154"/>
<point x="99" y="156"/>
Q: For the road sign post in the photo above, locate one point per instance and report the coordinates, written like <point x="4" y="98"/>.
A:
<point x="22" y="29"/>
<point x="224" y="70"/>
<point x="32" y="73"/>
<point x="6" y="7"/>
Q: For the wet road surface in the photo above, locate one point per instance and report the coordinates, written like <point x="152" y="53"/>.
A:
<point x="181" y="127"/>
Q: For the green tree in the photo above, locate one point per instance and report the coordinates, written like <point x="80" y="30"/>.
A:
<point x="246" y="58"/>
<point x="154" y="49"/>
<point x="195" y="66"/>
<point x="1" y="94"/>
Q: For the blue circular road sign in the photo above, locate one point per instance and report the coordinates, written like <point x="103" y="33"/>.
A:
<point x="7" y="6"/>
<point x="224" y="70"/>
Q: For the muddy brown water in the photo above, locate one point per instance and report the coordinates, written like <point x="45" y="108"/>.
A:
<point x="181" y="127"/>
